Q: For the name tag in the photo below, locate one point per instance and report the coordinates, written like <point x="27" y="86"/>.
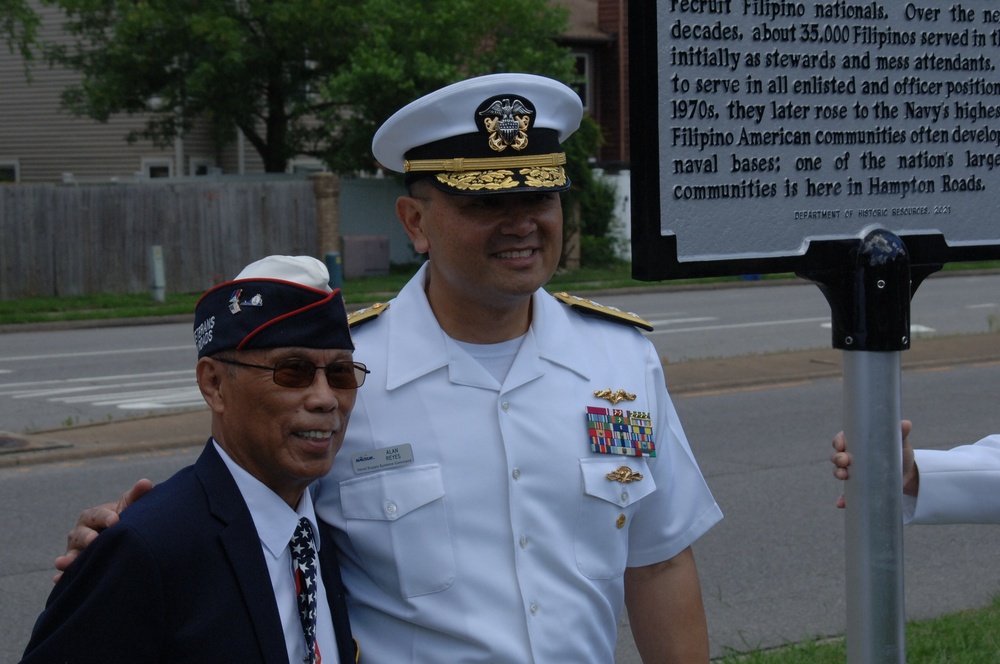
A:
<point x="387" y="457"/>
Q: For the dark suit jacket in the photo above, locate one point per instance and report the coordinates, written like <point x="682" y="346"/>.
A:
<point x="181" y="578"/>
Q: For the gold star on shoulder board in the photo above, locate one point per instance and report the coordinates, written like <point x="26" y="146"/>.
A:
<point x="613" y="314"/>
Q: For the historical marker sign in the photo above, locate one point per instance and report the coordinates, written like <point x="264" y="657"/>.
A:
<point x="761" y="128"/>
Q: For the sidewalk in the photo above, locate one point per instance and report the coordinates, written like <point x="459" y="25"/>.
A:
<point x="191" y="428"/>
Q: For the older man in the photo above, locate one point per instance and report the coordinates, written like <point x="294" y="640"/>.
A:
<point x="219" y="563"/>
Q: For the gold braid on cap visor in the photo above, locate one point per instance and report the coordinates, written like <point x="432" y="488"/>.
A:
<point x="460" y="165"/>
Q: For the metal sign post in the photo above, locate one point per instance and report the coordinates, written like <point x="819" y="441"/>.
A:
<point x="874" y="530"/>
<point x="856" y="145"/>
<point x="870" y="302"/>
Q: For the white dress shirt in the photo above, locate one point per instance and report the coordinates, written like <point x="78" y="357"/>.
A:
<point x="491" y="533"/>
<point x="276" y="523"/>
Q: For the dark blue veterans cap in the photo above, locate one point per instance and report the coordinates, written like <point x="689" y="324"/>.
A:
<point x="276" y="302"/>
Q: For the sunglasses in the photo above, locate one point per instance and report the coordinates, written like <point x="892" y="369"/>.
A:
<point x="301" y="373"/>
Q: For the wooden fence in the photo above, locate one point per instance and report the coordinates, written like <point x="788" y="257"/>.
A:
<point x="78" y="240"/>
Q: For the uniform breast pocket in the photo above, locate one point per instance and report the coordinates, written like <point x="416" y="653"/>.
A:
<point x="398" y="524"/>
<point x="606" y="511"/>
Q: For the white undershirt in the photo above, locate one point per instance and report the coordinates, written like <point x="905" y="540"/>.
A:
<point x="276" y="522"/>
<point x="497" y="359"/>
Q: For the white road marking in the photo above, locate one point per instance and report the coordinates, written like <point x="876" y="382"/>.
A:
<point x="914" y="328"/>
<point x="94" y="353"/>
<point x="736" y="326"/>
<point x="675" y="321"/>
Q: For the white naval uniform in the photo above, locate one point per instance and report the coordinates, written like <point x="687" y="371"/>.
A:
<point x="503" y="541"/>
<point x="960" y="485"/>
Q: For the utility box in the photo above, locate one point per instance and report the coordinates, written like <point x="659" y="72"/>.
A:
<point x="365" y="256"/>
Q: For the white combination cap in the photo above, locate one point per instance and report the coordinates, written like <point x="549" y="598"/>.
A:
<point x="491" y="134"/>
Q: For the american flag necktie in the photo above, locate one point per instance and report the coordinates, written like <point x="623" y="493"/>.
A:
<point x="304" y="567"/>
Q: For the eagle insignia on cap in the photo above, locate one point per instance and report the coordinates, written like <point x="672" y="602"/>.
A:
<point x="507" y="122"/>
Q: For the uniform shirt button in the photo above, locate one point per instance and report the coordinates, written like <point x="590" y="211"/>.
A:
<point x="624" y="496"/>
<point x="390" y="508"/>
<point x="505" y="406"/>
<point x="523" y="541"/>
<point x="533" y="608"/>
<point x="516" y="474"/>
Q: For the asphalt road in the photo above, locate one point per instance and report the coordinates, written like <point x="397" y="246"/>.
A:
<point x="54" y="378"/>
<point x="772" y="571"/>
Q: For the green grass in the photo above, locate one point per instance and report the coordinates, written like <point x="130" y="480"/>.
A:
<point x="358" y="291"/>
<point x="367" y="289"/>
<point x="92" y="307"/>
<point x="362" y="290"/>
<point x="969" y="637"/>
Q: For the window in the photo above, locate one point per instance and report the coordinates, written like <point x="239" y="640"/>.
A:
<point x="10" y="171"/>
<point x="202" y="166"/>
<point x="157" y="167"/>
<point x="305" y="165"/>
<point x="584" y="78"/>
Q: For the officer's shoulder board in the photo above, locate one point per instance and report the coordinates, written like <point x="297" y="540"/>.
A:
<point x="591" y="308"/>
<point x="362" y="316"/>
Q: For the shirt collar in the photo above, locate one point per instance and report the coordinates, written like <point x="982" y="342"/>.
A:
<point x="411" y="355"/>
<point x="417" y="345"/>
<point x="274" y="519"/>
<point x="556" y="332"/>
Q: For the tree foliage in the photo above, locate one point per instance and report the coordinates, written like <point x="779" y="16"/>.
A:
<point x="247" y="64"/>
<point x="408" y="49"/>
<point x="589" y="205"/>
<point x="312" y="77"/>
<point x="19" y="27"/>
